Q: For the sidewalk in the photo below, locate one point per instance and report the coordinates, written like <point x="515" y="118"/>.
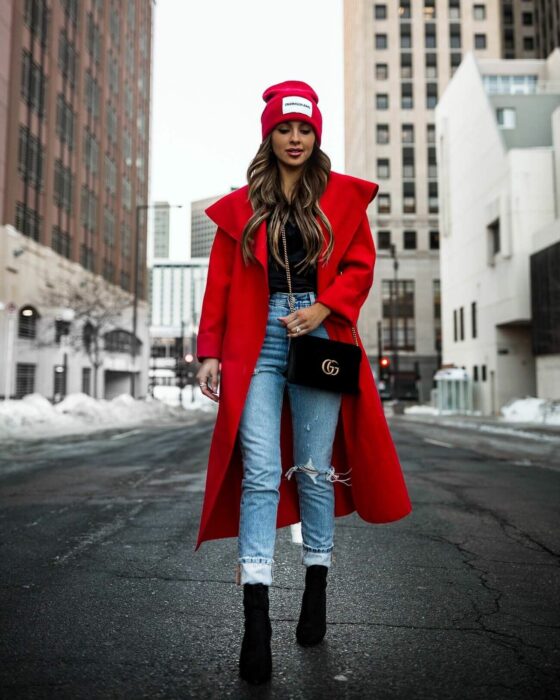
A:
<point x="484" y="424"/>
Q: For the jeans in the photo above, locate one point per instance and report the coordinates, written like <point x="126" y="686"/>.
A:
<point x="314" y="420"/>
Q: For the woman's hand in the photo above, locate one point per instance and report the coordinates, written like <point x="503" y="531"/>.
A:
<point x="207" y="377"/>
<point x="306" y="319"/>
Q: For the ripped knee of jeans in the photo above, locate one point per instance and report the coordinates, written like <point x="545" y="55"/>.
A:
<point x="312" y="472"/>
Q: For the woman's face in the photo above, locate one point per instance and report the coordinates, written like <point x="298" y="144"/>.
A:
<point x="292" y="142"/>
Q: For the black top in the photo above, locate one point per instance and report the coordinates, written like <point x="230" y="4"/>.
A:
<point x="302" y="280"/>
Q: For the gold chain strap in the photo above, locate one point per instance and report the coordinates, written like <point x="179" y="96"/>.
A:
<point x="291" y="297"/>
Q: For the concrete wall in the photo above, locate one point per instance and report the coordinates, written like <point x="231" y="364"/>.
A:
<point x="484" y="181"/>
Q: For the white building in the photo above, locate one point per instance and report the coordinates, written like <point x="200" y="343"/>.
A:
<point x="176" y="293"/>
<point x="498" y="150"/>
<point x="44" y="347"/>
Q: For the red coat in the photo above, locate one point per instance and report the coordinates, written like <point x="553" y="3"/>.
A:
<point x="232" y="327"/>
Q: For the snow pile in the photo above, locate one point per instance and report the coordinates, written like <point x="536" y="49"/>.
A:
<point x="532" y="410"/>
<point x="422" y="410"/>
<point x="34" y="416"/>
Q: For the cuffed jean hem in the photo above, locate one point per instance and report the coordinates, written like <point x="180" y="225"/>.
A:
<point x="309" y="557"/>
<point x="255" y="571"/>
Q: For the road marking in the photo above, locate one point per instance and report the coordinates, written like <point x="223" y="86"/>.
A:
<point x="122" y="435"/>
<point x="100" y="534"/>
<point x="437" y="442"/>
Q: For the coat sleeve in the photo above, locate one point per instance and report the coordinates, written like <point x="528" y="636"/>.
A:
<point x="214" y="303"/>
<point x="349" y="290"/>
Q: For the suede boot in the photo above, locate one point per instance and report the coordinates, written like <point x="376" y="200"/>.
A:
<point x="312" y="624"/>
<point x="255" y="660"/>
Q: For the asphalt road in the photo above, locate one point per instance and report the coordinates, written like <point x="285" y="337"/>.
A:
<point x="102" y="595"/>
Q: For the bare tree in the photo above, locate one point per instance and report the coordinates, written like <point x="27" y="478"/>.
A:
<point x="84" y="311"/>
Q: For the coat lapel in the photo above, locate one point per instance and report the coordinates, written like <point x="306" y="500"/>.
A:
<point x="344" y="202"/>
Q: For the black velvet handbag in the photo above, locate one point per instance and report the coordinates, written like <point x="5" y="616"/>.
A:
<point x="320" y="362"/>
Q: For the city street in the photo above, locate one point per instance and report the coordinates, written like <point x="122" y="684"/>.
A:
<point x="102" y="595"/>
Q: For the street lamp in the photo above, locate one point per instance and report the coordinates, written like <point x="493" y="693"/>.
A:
<point x="133" y="348"/>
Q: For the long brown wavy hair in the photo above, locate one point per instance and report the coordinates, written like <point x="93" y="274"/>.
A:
<point x="269" y="202"/>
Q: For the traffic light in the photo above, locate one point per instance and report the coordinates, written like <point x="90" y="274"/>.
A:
<point x="384" y="368"/>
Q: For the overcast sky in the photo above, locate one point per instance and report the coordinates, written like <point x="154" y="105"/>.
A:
<point x="212" y="61"/>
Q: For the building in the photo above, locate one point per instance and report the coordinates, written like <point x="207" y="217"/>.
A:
<point x="399" y="57"/>
<point x="73" y="170"/>
<point x="161" y="229"/>
<point x="547" y="26"/>
<point x="176" y="293"/>
<point x="203" y="229"/>
<point x="498" y="135"/>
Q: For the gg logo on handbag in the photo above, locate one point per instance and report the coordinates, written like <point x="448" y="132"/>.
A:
<point x="330" y="366"/>
<point x="320" y="362"/>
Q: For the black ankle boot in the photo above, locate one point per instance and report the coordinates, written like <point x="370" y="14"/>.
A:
<point x="312" y="624"/>
<point x="255" y="661"/>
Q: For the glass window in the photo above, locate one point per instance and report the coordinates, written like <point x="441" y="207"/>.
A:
<point x="406" y="36"/>
<point x="409" y="240"/>
<point x="381" y="41"/>
<point x="433" y="203"/>
<point x="432" y="164"/>
<point x="431" y="65"/>
<point x="455" y="36"/>
<point x="408" y="162"/>
<point x="407" y="97"/>
<point x="455" y="59"/>
<point x="434" y="240"/>
<point x="383" y="133"/>
<point x="431" y="133"/>
<point x="506" y="117"/>
<point x="406" y="65"/>
<point x="480" y="41"/>
<point x="454" y="9"/>
<point x="479" y="12"/>
<point x="27" y="322"/>
<point x="397" y="301"/>
<point x="429" y="9"/>
<point x="407" y="133"/>
<point x="383" y="168"/>
<point x="381" y="71"/>
<point x="25" y="379"/>
<point x="384" y="240"/>
<point x="409" y="197"/>
<point x="527" y="19"/>
<point x="528" y="43"/>
<point x="384" y="203"/>
<point x="431" y="95"/>
<point x="404" y="9"/>
<point x="382" y="101"/>
<point x="380" y="11"/>
<point x="430" y="41"/>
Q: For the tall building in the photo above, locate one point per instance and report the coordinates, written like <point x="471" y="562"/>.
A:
<point x="176" y="293"/>
<point x="161" y="229"/>
<point x="498" y="134"/>
<point x="399" y="57"/>
<point x="203" y="229"/>
<point x="547" y="25"/>
<point x="75" y="167"/>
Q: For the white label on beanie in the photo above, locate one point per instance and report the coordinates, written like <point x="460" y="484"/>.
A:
<point x="296" y="104"/>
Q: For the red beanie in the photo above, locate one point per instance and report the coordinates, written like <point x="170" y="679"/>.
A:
<point x="289" y="100"/>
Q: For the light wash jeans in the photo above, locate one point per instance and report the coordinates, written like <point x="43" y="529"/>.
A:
<point x="315" y="416"/>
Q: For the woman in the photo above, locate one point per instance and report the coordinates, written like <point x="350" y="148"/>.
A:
<point x="336" y="446"/>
